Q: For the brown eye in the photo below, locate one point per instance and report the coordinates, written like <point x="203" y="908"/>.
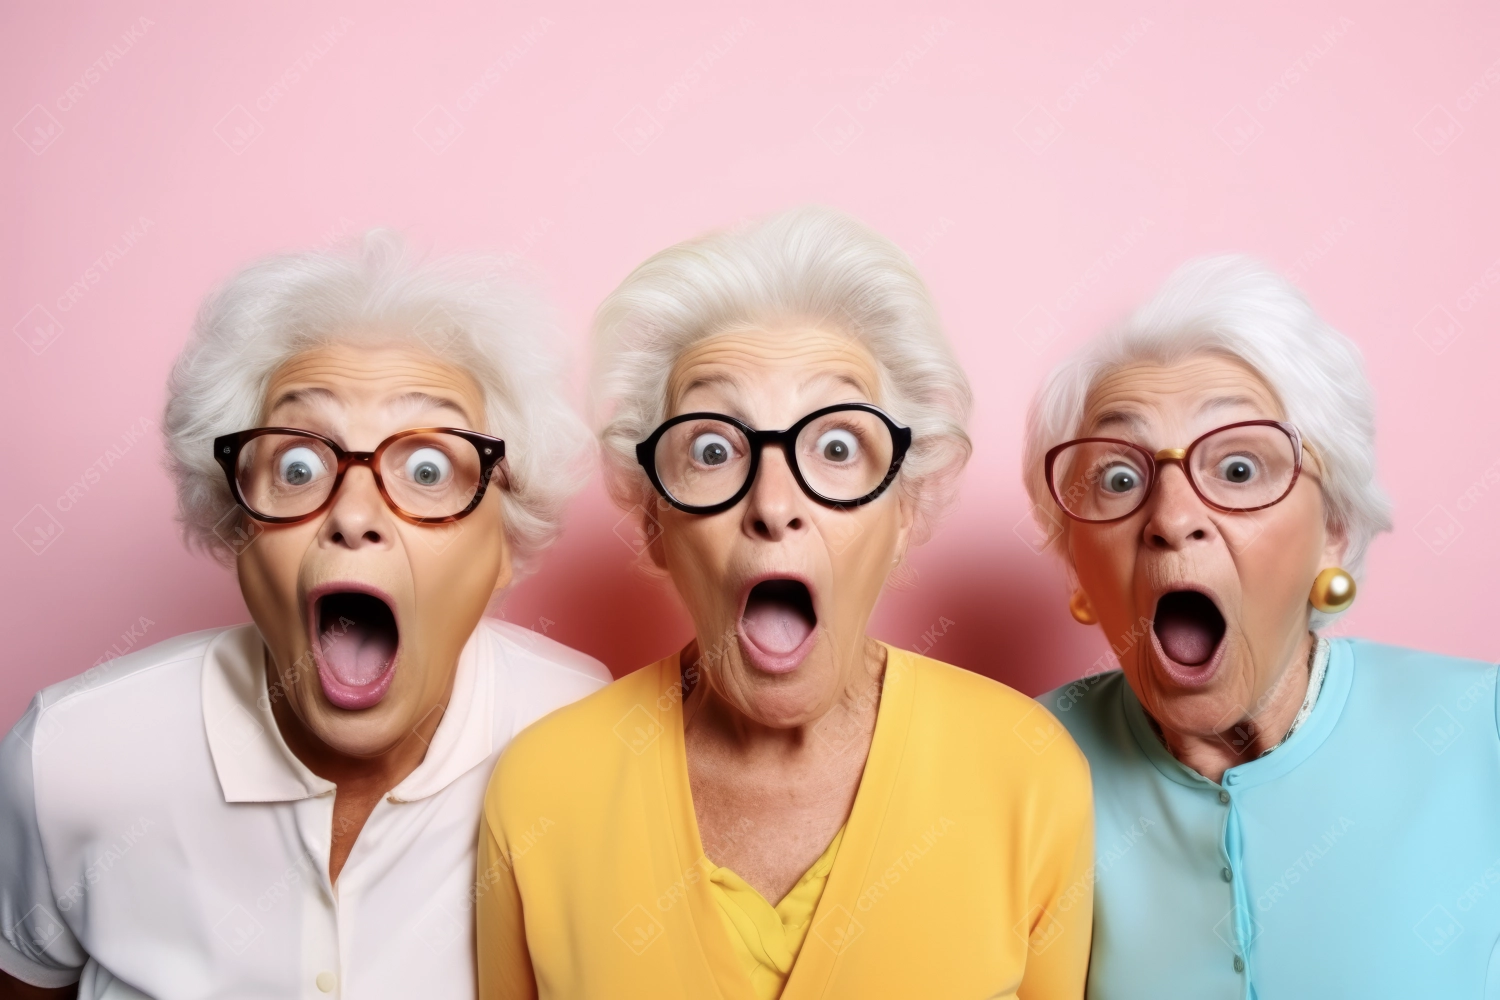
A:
<point x="837" y="446"/>
<point x="711" y="449"/>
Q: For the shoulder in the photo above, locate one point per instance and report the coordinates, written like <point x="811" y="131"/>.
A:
<point x="1090" y="707"/>
<point x="964" y="692"/>
<point x="1002" y="726"/>
<point x="1377" y="656"/>
<point x="581" y="739"/>
<point x="535" y="651"/>
<point x="130" y="715"/>
<point x="172" y="661"/>
<point x="1393" y="678"/>
<point x="538" y="674"/>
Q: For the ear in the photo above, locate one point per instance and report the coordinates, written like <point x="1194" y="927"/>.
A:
<point x="652" y="533"/>
<point x="1335" y="547"/>
<point x="507" y="571"/>
<point x="905" y="525"/>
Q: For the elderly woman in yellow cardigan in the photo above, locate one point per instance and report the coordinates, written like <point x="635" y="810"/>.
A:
<point x="786" y="807"/>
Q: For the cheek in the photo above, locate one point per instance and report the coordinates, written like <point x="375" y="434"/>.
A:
<point x="1277" y="558"/>
<point x="862" y="548"/>
<point x="269" y="568"/>
<point x="1104" y="557"/>
<point x="268" y="573"/>
<point x="457" y="559"/>
<point x="698" y="550"/>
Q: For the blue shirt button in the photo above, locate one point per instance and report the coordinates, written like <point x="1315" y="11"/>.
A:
<point x="1226" y="874"/>
<point x="1223" y="797"/>
<point x="1239" y="964"/>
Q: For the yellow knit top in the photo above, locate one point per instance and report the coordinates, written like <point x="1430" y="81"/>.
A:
<point x="964" y="869"/>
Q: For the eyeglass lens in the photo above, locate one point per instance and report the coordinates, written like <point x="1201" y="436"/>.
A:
<point x="843" y="456"/>
<point x="1235" y="468"/>
<point x="424" y="475"/>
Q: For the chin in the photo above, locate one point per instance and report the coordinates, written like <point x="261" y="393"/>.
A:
<point x="365" y="734"/>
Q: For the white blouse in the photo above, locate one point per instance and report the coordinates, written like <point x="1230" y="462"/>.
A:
<point x="160" y="839"/>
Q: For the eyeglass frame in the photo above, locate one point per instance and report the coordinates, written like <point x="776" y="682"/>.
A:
<point x="227" y="449"/>
<point x="645" y="454"/>
<point x="1182" y="457"/>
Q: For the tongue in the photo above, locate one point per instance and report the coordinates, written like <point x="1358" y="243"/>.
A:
<point x="1187" y="630"/>
<point x="774" y="625"/>
<point x="358" y="650"/>
<point x="1188" y="642"/>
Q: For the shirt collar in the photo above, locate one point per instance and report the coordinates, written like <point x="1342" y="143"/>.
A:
<point x="1323" y="706"/>
<point x="254" y="763"/>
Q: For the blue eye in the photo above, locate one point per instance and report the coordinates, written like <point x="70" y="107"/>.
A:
<point x="1120" y="479"/>
<point x="299" y="466"/>
<point x="428" y="467"/>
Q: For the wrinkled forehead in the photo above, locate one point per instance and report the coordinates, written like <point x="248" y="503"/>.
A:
<point x="1190" y="396"/>
<point x="339" y="385"/>
<point x="756" y="369"/>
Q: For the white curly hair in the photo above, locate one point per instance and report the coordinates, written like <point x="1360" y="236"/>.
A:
<point x="1239" y="308"/>
<point x="811" y="265"/>
<point x="462" y="308"/>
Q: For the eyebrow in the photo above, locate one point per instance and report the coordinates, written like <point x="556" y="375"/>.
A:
<point x="734" y="381"/>
<point x="315" y="394"/>
<point x="1225" y="402"/>
<point x="1110" y="418"/>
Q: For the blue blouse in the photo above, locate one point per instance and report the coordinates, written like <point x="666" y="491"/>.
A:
<point x="1361" y="858"/>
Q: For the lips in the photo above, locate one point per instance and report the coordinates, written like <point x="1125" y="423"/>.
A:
<point x="1187" y="632"/>
<point x="778" y="625"/>
<point x="355" y="644"/>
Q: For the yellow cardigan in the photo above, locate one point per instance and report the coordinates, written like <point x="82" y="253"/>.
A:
<point x="965" y="868"/>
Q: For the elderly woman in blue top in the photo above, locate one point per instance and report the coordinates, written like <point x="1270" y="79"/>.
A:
<point x="1278" y="814"/>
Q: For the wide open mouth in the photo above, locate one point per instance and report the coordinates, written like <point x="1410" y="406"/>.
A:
<point x="1188" y="627"/>
<point x="355" y="647"/>
<point x="777" y="624"/>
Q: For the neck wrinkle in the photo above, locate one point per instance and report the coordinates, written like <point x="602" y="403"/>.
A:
<point x="1256" y="733"/>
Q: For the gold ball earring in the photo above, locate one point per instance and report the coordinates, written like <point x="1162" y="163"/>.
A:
<point x="1081" y="609"/>
<point x="1333" y="591"/>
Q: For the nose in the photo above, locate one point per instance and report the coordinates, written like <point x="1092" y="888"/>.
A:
<point x="359" y="517"/>
<point x="1177" y="517"/>
<point x="776" y="503"/>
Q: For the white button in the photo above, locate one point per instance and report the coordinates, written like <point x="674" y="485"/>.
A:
<point x="326" y="981"/>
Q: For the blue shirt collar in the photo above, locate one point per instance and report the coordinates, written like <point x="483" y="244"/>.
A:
<point x="1298" y="746"/>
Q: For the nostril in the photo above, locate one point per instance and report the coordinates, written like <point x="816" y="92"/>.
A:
<point x="371" y="536"/>
<point x="794" y="523"/>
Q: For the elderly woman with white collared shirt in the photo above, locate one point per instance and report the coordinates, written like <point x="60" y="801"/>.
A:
<point x="1279" y="814"/>
<point x="287" y="808"/>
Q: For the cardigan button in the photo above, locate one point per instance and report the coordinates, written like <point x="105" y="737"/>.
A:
<point x="1239" y="964"/>
<point x="1226" y="874"/>
<point x="1223" y="797"/>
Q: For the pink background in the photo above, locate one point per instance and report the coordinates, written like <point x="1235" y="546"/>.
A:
<point x="1045" y="166"/>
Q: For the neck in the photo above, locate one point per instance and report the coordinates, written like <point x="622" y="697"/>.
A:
<point x="1258" y="730"/>
<point x="375" y="774"/>
<point x="847" y="725"/>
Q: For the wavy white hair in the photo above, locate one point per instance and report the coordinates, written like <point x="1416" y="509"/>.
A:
<point x="811" y="265"/>
<point x="1237" y="307"/>
<point x="461" y="308"/>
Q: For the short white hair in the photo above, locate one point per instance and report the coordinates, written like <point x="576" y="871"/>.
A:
<point x="463" y="309"/>
<point x="809" y="265"/>
<point x="1236" y="307"/>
